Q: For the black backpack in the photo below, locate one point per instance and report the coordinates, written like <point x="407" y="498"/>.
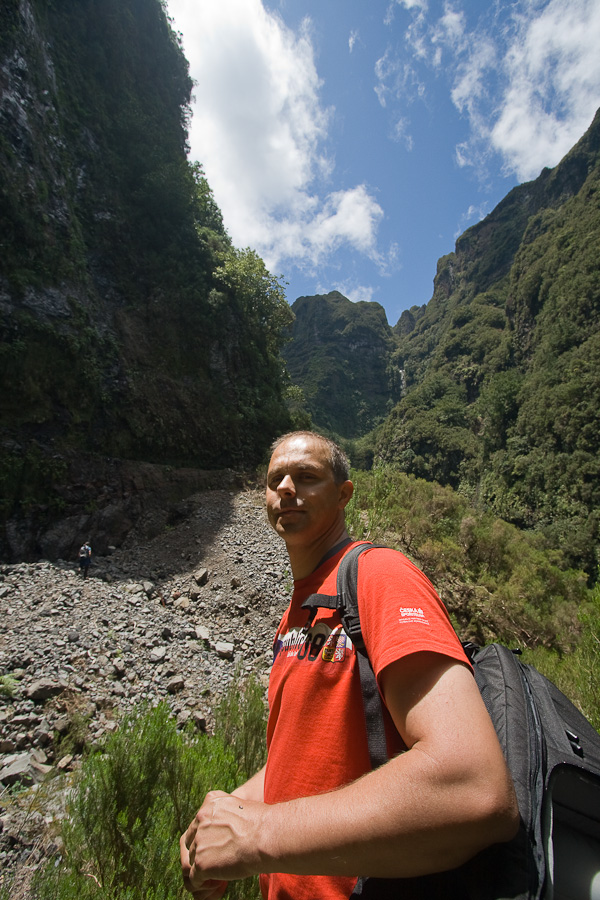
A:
<point x="553" y="754"/>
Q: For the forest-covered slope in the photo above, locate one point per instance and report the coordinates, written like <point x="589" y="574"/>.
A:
<point x="129" y="324"/>
<point x="499" y="374"/>
<point x="502" y="366"/>
<point x="340" y="354"/>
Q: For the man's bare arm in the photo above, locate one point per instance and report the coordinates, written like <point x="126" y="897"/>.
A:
<point x="429" y="809"/>
<point x="253" y="789"/>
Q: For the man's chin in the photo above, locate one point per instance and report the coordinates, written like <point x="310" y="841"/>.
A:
<point x="290" y="523"/>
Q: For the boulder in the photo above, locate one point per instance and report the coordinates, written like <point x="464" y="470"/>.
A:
<point x="175" y="684"/>
<point x="44" y="689"/>
<point x="201" y="576"/>
<point x="224" y="650"/>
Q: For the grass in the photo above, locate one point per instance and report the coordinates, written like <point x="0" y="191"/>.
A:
<point x="8" y="686"/>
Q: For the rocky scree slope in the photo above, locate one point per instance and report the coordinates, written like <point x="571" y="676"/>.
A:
<point x="170" y="618"/>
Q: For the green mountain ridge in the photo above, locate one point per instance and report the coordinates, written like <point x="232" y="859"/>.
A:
<point x="129" y="323"/>
<point x="499" y="371"/>
<point x="132" y="329"/>
<point x="340" y="353"/>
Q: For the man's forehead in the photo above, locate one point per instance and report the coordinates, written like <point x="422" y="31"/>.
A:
<point x="300" y="451"/>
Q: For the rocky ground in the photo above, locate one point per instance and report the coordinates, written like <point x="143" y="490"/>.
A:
<point x="168" y="618"/>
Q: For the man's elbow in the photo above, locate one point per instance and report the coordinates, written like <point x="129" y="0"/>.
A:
<point x="500" y="814"/>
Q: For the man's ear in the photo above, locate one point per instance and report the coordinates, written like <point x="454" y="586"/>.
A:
<point x="346" y="491"/>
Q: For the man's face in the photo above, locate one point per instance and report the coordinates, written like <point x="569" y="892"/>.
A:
<point x="303" y="501"/>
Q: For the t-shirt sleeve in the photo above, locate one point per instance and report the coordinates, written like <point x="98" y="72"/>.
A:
<point x="400" y="611"/>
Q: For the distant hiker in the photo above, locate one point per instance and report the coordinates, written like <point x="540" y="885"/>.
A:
<point x="85" y="558"/>
<point x="318" y="814"/>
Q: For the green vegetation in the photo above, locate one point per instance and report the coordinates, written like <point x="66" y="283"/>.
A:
<point x="498" y="582"/>
<point x="576" y="673"/>
<point x="502" y="366"/>
<point x="136" y="795"/>
<point x="130" y="326"/>
<point x="498" y="373"/>
<point x="8" y="685"/>
<point x="340" y="356"/>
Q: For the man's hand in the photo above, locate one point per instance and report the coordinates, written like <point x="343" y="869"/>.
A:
<point x="220" y="844"/>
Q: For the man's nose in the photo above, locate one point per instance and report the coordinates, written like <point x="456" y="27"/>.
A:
<point x="286" y="486"/>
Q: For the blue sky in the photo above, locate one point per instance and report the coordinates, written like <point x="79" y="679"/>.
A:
<point x="350" y="142"/>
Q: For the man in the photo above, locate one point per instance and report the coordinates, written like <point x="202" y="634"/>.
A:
<point x="316" y="817"/>
<point x="85" y="558"/>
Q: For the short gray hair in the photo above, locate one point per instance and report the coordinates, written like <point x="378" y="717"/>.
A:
<point x="338" y="461"/>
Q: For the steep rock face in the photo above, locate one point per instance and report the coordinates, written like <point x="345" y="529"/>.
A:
<point x="118" y="334"/>
<point x="476" y="274"/>
<point x="501" y="365"/>
<point x="340" y="356"/>
<point x="123" y="331"/>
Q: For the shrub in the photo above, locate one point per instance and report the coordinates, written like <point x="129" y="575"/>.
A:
<point x="135" y="797"/>
<point x="8" y="685"/>
<point x="576" y="673"/>
<point x="499" y="583"/>
<point x="241" y="723"/>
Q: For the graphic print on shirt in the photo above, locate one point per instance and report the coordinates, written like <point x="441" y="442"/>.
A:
<point x="412" y="615"/>
<point x="331" y="646"/>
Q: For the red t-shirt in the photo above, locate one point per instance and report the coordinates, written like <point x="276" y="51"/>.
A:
<point x="316" y="734"/>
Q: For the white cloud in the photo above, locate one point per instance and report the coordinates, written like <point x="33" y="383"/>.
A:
<point x="526" y="76"/>
<point x="471" y="82"/>
<point x="401" y="134"/>
<point x="421" y="5"/>
<point x="552" y="86"/>
<point x="260" y="130"/>
<point x="472" y="215"/>
<point x="396" y="79"/>
<point x="450" y="30"/>
<point x="352" y="40"/>
<point x="353" y="291"/>
<point x="350" y="216"/>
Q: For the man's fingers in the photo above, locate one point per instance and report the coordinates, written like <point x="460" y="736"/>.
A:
<point x="188" y="837"/>
<point x="211" y="890"/>
<point x="187" y="852"/>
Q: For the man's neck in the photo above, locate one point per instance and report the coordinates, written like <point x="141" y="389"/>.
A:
<point x="305" y="559"/>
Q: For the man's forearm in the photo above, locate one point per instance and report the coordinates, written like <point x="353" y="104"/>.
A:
<point x="405" y="819"/>
<point x="393" y="822"/>
<point x="254" y="788"/>
<point x="427" y="810"/>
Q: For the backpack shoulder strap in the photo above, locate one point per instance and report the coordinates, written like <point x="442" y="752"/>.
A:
<point x="347" y="604"/>
<point x="347" y="593"/>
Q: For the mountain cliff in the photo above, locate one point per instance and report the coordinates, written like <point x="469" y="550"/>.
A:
<point x="501" y="366"/>
<point x="340" y="354"/>
<point x="497" y="378"/>
<point x="129" y="324"/>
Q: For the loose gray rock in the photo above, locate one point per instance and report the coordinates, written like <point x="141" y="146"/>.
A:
<point x="224" y="649"/>
<point x="175" y="684"/>
<point x="25" y="769"/>
<point x="201" y="577"/>
<point x="44" y="689"/>
<point x="132" y="644"/>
